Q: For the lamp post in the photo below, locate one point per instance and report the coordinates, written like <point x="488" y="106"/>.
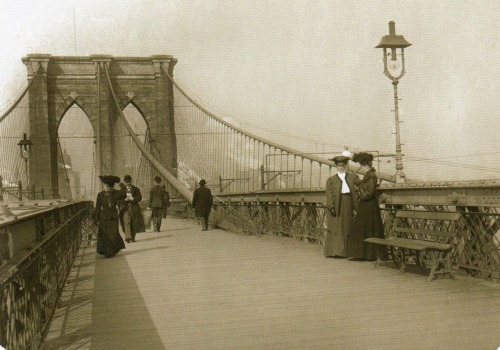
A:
<point x="25" y="148"/>
<point x="394" y="69"/>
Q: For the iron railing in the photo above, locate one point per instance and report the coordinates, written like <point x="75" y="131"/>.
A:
<point x="301" y="215"/>
<point x="32" y="279"/>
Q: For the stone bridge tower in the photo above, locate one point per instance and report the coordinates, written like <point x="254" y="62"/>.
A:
<point x="69" y="80"/>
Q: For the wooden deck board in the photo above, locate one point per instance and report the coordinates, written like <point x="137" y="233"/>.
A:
<point x="184" y="288"/>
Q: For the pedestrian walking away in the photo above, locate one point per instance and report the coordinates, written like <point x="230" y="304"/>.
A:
<point x="159" y="200"/>
<point x="202" y="204"/>
<point x="131" y="219"/>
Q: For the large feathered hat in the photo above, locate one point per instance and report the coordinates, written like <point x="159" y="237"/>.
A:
<point x="109" y="180"/>
<point x="363" y="158"/>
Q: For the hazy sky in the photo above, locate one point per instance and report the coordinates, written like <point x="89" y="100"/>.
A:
<point x="305" y="68"/>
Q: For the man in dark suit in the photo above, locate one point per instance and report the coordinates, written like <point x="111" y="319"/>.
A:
<point x="202" y="204"/>
<point x="131" y="218"/>
<point x="158" y="202"/>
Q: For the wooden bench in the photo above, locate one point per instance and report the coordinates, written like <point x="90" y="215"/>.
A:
<point x="429" y="234"/>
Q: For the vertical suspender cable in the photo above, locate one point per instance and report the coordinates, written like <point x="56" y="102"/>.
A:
<point x="98" y="121"/>
<point x="186" y="193"/>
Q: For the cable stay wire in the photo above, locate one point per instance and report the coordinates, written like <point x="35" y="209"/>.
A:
<point x="185" y="192"/>
<point x="452" y="164"/>
<point x="296" y="137"/>
<point x="6" y="113"/>
<point x="242" y="131"/>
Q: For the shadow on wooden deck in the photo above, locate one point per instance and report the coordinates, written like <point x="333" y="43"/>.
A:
<point x="187" y="289"/>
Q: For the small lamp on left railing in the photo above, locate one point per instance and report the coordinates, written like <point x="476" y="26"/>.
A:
<point x="25" y="148"/>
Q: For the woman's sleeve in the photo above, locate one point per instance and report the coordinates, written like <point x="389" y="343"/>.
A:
<point x="329" y="193"/>
<point x="369" y="188"/>
<point x="97" y="210"/>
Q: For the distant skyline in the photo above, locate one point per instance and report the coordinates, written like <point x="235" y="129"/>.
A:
<point x="305" y="69"/>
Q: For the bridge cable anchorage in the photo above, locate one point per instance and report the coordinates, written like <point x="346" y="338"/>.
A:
<point x="185" y="192"/>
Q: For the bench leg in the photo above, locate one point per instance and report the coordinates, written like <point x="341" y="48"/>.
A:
<point x="402" y="264"/>
<point x="433" y="266"/>
<point x="448" y="267"/>
<point x="437" y="259"/>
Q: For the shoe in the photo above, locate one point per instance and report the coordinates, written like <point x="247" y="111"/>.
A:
<point x="133" y="241"/>
<point x="128" y="240"/>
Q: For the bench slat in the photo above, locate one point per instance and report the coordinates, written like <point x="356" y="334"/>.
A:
<point x="423" y="232"/>
<point x="409" y="243"/>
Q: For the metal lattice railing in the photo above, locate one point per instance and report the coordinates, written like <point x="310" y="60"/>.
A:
<point x="31" y="282"/>
<point x="476" y="249"/>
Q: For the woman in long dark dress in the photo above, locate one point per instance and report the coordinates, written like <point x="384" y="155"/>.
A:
<point x="341" y="204"/>
<point x="105" y="216"/>
<point x="368" y="221"/>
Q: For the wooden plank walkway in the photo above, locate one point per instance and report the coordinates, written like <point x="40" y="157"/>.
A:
<point x="184" y="288"/>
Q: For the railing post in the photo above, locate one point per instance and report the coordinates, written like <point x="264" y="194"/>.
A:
<point x="1" y="188"/>
<point x="33" y="191"/>
<point x="20" y="187"/>
<point x="262" y="181"/>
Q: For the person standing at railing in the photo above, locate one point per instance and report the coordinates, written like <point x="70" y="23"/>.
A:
<point x="131" y="218"/>
<point x="202" y="204"/>
<point x="341" y="204"/>
<point x="368" y="221"/>
<point x="105" y="216"/>
<point x="159" y="200"/>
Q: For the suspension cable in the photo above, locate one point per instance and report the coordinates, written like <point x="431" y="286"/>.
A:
<point x="20" y="97"/>
<point x="185" y="192"/>
<point x="310" y="157"/>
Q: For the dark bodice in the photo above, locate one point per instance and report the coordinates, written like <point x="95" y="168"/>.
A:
<point x="106" y="205"/>
<point x="367" y="188"/>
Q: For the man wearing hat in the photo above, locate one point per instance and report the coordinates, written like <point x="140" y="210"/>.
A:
<point x="131" y="218"/>
<point x="105" y="216"/>
<point x="202" y="204"/>
<point x="159" y="200"/>
<point x="341" y="203"/>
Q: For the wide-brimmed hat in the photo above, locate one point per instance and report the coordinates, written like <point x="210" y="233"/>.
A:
<point x="202" y="182"/>
<point x="363" y="158"/>
<point x="109" y="180"/>
<point x="157" y="179"/>
<point x="127" y="178"/>
<point x="340" y="159"/>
